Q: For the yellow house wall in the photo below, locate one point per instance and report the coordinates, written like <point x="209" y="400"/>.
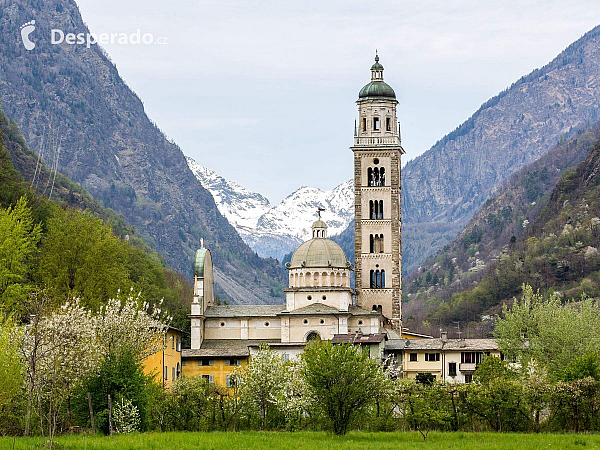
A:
<point x="219" y="370"/>
<point x="412" y="368"/>
<point x="153" y="365"/>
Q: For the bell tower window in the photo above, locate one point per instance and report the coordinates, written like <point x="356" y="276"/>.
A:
<point x="376" y="209"/>
<point x="376" y="123"/>
<point x="377" y="280"/>
<point x="388" y="124"/>
<point x="376" y="176"/>
<point x="364" y="124"/>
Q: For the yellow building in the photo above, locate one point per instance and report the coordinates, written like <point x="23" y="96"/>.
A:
<point x="215" y="361"/>
<point x="165" y="365"/>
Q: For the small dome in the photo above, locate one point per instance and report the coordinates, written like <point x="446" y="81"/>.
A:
<point x="377" y="65"/>
<point x="319" y="252"/>
<point x="319" y="224"/>
<point x="376" y="89"/>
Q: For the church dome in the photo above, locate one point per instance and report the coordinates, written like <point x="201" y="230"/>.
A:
<point x="376" y="89"/>
<point x="319" y="252"/>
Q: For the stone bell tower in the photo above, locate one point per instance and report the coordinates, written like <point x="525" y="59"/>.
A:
<point x="377" y="199"/>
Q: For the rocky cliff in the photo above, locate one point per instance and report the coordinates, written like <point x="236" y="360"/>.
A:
<point x="448" y="183"/>
<point x="109" y="145"/>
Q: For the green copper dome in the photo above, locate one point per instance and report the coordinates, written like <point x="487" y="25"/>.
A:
<point x="319" y="252"/>
<point x="376" y="89"/>
<point x="199" y="261"/>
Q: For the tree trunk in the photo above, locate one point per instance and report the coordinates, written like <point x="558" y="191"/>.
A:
<point x="110" y="427"/>
<point x="89" y="397"/>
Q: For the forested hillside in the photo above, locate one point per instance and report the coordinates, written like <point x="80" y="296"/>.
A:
<point x="528" y="233"/>
<point x="445" y="186"/>
<point x="71" y="246"/>
<point x="111" y="147"/>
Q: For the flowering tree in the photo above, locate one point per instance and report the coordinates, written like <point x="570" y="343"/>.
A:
<point x="294" y="398"/>
<point x="131" y="326"/>
<point x="127" y="417"/>
<point x="262" y="381"/>
<point x="59" y="350"/>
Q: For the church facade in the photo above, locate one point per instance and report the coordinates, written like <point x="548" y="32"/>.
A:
<point x="320" y="302"/>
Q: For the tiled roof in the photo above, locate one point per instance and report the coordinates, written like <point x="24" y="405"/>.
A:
<point x="224" y="348"/>
<point x="274" y="310"/>
<point x="358" y="338"/>
<point x="358" y="311"/>
<point x="315" y="308"/>
<point x="461" y="345"/>
<point x="244" y="310"/>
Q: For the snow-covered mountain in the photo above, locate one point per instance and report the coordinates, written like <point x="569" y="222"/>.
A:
<point x="276" y="230"/>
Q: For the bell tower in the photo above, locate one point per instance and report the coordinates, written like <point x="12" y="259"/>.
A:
<point x="377" y="199"/>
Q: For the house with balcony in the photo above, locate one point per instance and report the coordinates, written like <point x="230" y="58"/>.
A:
<point x="448" y="360"/>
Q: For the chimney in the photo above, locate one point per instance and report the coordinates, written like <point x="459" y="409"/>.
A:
<point x="444" y="336"/>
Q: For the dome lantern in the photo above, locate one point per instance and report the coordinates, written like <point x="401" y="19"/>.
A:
<point x="377" y="89"/>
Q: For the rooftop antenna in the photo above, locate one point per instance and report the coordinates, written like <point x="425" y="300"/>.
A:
<point x="458" y="327"/>
<point x="201" y="242"/>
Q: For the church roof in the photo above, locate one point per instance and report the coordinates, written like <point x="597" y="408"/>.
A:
<point x="315" y="308"/>
<point x="224" y="348"/>
<point x="243" y="310"/>
<point x="228" y="311"/>
<point x="352" y="338"/>
<point x="319" y="253"/>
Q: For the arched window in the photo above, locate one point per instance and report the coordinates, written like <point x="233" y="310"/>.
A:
<point x="372" y="214"/>
<point x="380" y="210"/>
<point x="313" y="336"/>
<point x="382" y="177"/>
<point x="370" y="177"/>
<point x="371" y="244"/>
<point x="376" y="176"/>
<point x="377" y="280"/>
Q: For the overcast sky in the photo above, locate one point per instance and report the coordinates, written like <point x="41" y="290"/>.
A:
<point x="263" y="92"/>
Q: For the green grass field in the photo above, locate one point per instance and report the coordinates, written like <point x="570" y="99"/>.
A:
<point x="314" y="440"/>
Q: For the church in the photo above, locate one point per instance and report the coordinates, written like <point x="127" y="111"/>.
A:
<point x="320" y="303"/>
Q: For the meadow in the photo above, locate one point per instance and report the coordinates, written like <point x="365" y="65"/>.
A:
<point x="312" y="440"/>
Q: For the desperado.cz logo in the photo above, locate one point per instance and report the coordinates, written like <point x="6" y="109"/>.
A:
<point x="58" y="36"/>
<point x="26" y="30"/>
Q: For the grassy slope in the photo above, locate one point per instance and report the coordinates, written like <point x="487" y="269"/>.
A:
<point x="316" y="440"/>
